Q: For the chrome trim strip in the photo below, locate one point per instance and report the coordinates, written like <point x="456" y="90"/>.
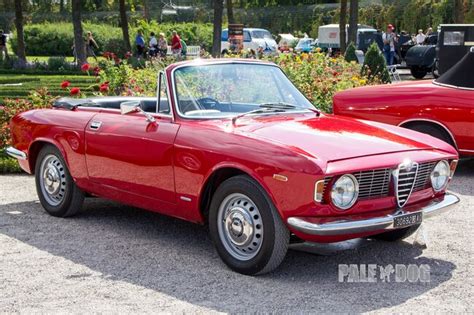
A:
<point x="187" y="199"/>
<point x="452" y="86"/>
<point x="15" y="153"/>
<point x="368" y="225"/>
<point x="432" y="121"/>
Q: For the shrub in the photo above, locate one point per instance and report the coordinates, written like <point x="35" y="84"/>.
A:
<point x="350" y="54"/>
<point x="9" y="165"/>
<point x="58" y="64"/>
<point x="56" y="39"/>
<point x="375" y="67"/>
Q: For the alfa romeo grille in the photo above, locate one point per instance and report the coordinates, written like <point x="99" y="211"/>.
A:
<point x="405" y="182"/>
<point x="376" y="183"/>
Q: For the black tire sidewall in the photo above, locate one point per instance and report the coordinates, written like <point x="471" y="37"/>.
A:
<point x="244" y="185"/>
<point x="60" y="210"/>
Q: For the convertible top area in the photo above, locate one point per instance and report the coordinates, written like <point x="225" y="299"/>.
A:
<point x="458" y="76"/>
<point x="148" y="104"/>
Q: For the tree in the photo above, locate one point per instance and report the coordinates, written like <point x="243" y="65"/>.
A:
<point x="124" y="24"/>
<point x="375" y="66"/>
<point x="20" y="50"/>
<point x="350" y="54"/>
<point x="230" y="12"/>
<point x="342" y="26"/>
<point x="78" y="34"/>
<point x="459" y="7"/>
<point x="353" y="20"/>
<point x="217" y="29"/>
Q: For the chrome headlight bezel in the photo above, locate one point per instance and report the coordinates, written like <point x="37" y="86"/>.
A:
<point x="444" y="167"/>
<point x="355" y="191"/>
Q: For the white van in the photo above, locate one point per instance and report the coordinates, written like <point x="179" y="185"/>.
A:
<point x="253" y="39"/>
<point x="328" y="35"/>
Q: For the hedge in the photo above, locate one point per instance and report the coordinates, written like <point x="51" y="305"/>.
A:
<point x="56" y="39"/>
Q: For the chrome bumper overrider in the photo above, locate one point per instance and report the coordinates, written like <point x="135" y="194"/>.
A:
<point x="17" y="154"/>
<point x="342" y="227"/>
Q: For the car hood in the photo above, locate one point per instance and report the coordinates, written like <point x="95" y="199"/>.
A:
<point x="332" y="138"/>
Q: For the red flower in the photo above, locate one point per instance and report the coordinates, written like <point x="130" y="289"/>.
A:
<point x="96" y="70"/>
<point x="128" y="55"/>
<point x="85" y="67"/>
<point x="65" y="84"/>
<point x="117" y="61"/>
<point x="104" y="87"/>
<point x="75" y="91"/>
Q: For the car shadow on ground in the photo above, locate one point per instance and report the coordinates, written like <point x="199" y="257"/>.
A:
<point x="177" y="258"/>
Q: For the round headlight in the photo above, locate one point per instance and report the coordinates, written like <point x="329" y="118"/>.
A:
<point x="440" y="175"/>
<point x="345" y="191"/>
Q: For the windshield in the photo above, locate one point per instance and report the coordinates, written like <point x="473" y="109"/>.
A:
<point x="305" y="42"/>
<point x="225" y="90"/>
<point x="262" y="34"/>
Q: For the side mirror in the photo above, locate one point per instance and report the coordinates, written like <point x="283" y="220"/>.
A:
<point x="133" y="107"/>
<point x="129" y="107"/>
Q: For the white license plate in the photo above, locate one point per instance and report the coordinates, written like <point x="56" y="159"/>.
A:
<point x="407" y="220"/>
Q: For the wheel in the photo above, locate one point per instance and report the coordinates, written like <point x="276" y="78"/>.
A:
<point x="57" y="192"/>
<point x="245" y="226"/>
<point x="418" y="73"/>
<point x="396" y="235"/>
<point x="435" y="69"/>
<point x="433" y="131"/>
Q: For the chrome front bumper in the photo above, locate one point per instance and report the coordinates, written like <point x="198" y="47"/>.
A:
<point x="341" y="227"/>
<point x="15" y="153"/>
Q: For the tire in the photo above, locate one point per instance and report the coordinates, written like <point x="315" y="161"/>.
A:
<point x="418" y="73"/>
<point x="396" y="235"/>
<point x="433" y="131"/>
<point x="246" y="228"/>
<point x="57" y="192"/>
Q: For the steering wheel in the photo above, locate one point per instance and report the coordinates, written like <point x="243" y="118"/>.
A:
<point x="208" y="103"/>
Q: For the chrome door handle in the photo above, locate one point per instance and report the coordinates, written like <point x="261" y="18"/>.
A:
<point x="95" y="125"/>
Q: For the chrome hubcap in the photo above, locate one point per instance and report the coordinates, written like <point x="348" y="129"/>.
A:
<point x="53" y="180"/>
<point x="240" y="226"/>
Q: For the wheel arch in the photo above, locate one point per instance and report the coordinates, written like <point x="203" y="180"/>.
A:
<point x="217" y="176"/>
<point x="36" y="146"/>
<point x="424" y="121"/>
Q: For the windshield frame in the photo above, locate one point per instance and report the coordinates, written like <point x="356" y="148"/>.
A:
<point x="177" y="111"/>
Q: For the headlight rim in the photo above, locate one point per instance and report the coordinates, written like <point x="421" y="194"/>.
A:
<point x="356" y="194"/>
<point x="445" y="185"/>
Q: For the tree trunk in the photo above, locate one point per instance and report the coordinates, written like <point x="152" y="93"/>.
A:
<point x="124" y="24"/>
<point x="353" y="21"/>
<point x="342" y="26"/>
<point x="459" y="11"/>
<point x="19" y="33"/>
<point x="146" y="10"/>
<point x="61" y="6"/>
<point x="78" y="36"/>
<point x="230" y="12"/>
<point x="217" y="30"/>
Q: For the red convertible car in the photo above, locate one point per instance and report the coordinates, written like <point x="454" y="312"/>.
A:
<point x="443" y="108"/>
<point x="233" y="144"/>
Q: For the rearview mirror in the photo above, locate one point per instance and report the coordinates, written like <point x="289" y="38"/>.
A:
<point x="129" y="107"/>
<point x="133" y="107"/>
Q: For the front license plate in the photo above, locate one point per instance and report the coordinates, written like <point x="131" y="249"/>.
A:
<point x="407" y="220"/>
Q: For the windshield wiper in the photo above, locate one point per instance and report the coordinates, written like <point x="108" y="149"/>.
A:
<point x="258" y="111"/>
<point x="279" y="105"/>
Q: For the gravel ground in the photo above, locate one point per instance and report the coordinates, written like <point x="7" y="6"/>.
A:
<point x="115" y="258"/>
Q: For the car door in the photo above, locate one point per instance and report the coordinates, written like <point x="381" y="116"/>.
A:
<point x="132" y="155"/>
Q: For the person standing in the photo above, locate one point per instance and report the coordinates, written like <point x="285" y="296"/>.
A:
<point x="389" y="39"/>
<point x="176" y="45"/>
<point x="90" y="45"/>
<point x="429" y="31"/>
<point x="420" y="38"/>
<point x="140" y="44"/>
<point x="162" y="45"/>
<point x="152" y="45"/>
<point x="3" y="45"/>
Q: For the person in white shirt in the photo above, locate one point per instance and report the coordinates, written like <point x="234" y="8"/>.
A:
<point x="152" y="45"/>
<point x="389" y="39"/>
<point x="420" y="38"/>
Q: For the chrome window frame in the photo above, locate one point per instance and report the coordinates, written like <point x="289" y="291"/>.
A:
<point x="217" y="62"/>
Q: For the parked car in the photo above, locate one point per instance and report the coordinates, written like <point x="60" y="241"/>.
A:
<point x="251" y="158"/>
<point x="454" y="42"/>
<point x="442" y="108"/>
<point x="421" y="59"/>
<point x="254" y="38"/>
<point x="305" y="45"/>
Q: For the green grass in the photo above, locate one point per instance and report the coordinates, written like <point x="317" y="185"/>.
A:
<point x="9" y="165"/>
<point x="31" y="82"/>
